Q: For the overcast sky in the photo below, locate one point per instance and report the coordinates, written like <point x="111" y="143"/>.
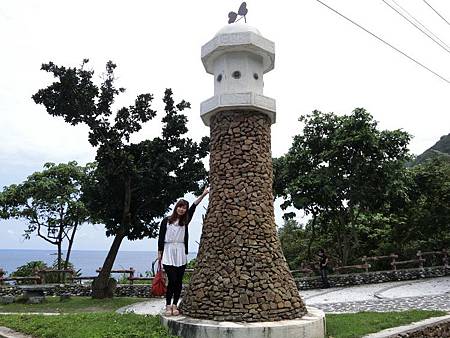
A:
<point x="322" y="62"/>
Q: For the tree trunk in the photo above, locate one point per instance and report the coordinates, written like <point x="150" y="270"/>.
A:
<point x="338" y="237"/>
<point x="346" y="249"/>
<point x="313" y="235"/>
<point x="103" y="286"/>
<point x="352" y="220"/>
<point x="59" y="262"/>
<point x="60" y="241"/>
<point x="345" y="238"/>
<point x="69" y="247"/>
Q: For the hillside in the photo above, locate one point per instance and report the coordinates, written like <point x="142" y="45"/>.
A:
<point x="441" y="148"/>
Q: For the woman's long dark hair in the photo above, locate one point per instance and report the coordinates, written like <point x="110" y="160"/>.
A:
<point x="182" y="220"/>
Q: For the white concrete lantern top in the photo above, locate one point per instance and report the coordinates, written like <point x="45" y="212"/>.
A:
<point x="238" y="56"/>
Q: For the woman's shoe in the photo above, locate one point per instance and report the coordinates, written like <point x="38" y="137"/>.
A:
<point x="169" y="310"/>
<point x="175" y="310"/>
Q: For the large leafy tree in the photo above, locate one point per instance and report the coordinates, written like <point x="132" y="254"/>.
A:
<point x="50" y="201"/>
<point x="426" y="214"/>
<point x="339" y="168"/>
<point x="134" y="183"/>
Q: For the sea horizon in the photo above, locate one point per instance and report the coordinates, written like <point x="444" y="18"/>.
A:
<point x="87" y="261"/>
<point x="64" y="250"/>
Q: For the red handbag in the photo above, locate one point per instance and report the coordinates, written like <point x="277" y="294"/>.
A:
<point x="159" y="283"/>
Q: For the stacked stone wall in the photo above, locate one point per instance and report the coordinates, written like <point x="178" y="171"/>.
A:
<point x="307" y="283"/>
<point x="438" y="329"/>
<point x="136" y="290"/>
<point x="241" y="273"/>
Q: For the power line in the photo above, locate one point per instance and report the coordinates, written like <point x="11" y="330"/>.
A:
<point x="387" y="43"/>
<point x="441" y="43"/>
<point x="436" y="12"/>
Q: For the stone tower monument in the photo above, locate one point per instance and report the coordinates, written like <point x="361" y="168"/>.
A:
<point x="241" y="273"/>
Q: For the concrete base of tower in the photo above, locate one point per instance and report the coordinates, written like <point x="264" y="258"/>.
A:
<point x="311" y="325"/>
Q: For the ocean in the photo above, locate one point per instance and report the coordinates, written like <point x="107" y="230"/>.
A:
<point x="87" y="261"/>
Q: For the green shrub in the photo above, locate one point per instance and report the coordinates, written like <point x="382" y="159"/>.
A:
<point x="29" y="269"/>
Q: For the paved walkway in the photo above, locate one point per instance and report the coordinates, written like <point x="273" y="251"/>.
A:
<point x="427" y="294"/>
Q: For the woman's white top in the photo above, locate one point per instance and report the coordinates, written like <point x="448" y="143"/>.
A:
<point x="174" y="253"/>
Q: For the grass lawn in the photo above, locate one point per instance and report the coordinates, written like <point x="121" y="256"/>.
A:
<point x="72" y="305"/>
<point x="352" y="325"/>
<point x="82" y="325"/>
<point x="78" y="320"/>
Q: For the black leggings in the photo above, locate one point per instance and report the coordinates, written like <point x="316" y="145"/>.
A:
<point x="175" y="277"/>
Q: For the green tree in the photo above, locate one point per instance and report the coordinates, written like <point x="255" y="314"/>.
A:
<point x="293" y="242"/>
<point x="427" y="213"/>
<point x="134" y="183"/>
<point x="50" y="201"/>
<point x="339" y="168"/>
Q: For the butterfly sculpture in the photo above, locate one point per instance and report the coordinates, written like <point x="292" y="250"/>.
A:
<point x="242" y="12"/>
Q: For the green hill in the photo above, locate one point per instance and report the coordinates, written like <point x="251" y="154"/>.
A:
<point x="440" y="149"/>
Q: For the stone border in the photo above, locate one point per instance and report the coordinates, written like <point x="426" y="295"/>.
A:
<point x="312" y="325"/>
<point x="431" y="327"/>
<point x="379" y="293"/>
<point x="321" y="293"/>
<point x="6" y="332"/>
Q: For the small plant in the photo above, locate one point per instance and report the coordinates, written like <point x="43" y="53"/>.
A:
<point x="32" y="269"/>
<point x="123" y="279"/>
<point x="58" y="277"/>
<point x="190" y="265"/>
<point x="29" y="269"/>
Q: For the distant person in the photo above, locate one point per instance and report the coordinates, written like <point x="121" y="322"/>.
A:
<point x="173" y="249"/>
<point x="323" y="266"/>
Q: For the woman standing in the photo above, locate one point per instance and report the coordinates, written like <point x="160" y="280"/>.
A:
<point x="173" y="249"/>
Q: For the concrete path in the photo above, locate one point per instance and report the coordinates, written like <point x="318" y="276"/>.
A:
<point x="429" y="294"/>
<point x="152" y="307"/>
<point x="426" y="294"/>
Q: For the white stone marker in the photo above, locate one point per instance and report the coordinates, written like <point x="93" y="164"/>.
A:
<point x="238" y="56"/>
